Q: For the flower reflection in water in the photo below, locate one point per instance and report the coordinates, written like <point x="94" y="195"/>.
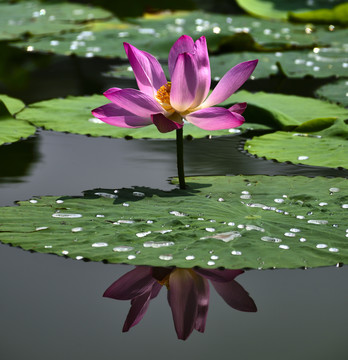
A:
<point x="188" y="294"/>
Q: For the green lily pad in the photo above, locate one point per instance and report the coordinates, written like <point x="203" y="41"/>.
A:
<point x="285" y="111"/>
<point x="157" y="34"/>
<point x="12" y="129"/>
<point x="319" y="63"/>
<point x="264" y="111"/>
<point x="232" y="222"/>
<point x="336" y="92"/>
<point x="328" y="147"/>
<point x="73" y="115"/>
<point x="35" y="18"/>
<point x="337" y="15"/>
<point x="279" y="9"/>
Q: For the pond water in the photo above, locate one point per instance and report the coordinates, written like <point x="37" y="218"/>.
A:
<point x="52" y="307"/>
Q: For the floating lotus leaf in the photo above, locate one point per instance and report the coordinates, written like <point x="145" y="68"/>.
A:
<point x="35" y="18"/>
<point x="336" y="15"/>
<point x="319" y="63"/>
<point x="279" y="9"/>
<point x="73" y="115"/>
<point x="286" y="111"/>
<point x="232" y="222"/>
<point x="157" y="33"/>
<point x="271" y="111"/>
<point x="328" y="147"/>
<point x="336" y="92"/>
<point x="12" y="129"/>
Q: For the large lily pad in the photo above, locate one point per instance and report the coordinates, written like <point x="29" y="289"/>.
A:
<point x="233" y="222"/>
<point x="286" y="111"/>
<point x="319" y="63"/>
<point x="336" y="15"/>
<point x="35" y="18"/>
<point x="73" y="115"/>
<point x="279" y="9"/>
<point x="271" y="111"/>
<point x="328" y="147"/>
<point x="335" y="92"/>
<point x="157" y="34"/>
<point x="12" y="129"/>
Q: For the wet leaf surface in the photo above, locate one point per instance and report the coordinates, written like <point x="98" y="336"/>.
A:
<point x="232" y="222"/>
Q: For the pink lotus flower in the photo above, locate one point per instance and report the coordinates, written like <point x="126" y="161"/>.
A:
<point x="188" y="294"/>
<point x="166" y="104"/>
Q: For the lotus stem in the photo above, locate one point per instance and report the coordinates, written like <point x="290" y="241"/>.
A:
<point x="180" y="158"/>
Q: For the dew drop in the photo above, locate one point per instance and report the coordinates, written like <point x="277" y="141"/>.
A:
<point x="225" y="237"/>
<point x="118" y="222"/>
<point x="66" y="215"/>
<point x="221" y="199"/>
<point x="245" y="197"/>
<point x="158" y="244"/>
<point x="164" y="231"/>
<point x="143" y="234"/>
<point x="344" y="206"/>
<point x="301" y="217"/>
<point x="333" y="250"/>
<point x="96" y="121"/>
<point x="65" y="252"/>
<point x="131" y="257"/>
<point x="295" y="230"/>
<point x="106" y="195"/>
<point x="302" y="239"/>
<point x="231" y="223"/>
<point x="100" y="244"/>
<point x="254" y="227"/>
<point x="33" y="201"/>
<point x="138" y="194"/>
<point x="303" y="157"/>
<point x="166" y="257"/>
<point x="79" y="257"/>
<point x="210" y="263"/>
<point x="323" y="203"/>
<point x="125" y="204"/>
<point x="279" y="201"/>
<point x="321" y="246"/>
<point x="59" y="201"/>
<point x="41" y="228"/>
<point x="235" y="252"/>
<point x="177" y="213"/>
<point x="189" y="257"/>
<point x="317" y="222"/>
<point x="48" y="246"/>
<point x="290" y="234"/>
<point x="271" y="239"/>
<point x="214" y="257"/>
<point x="210" y="229"/>
<point x="334" y="190"/>
<point x="285" y="247"/>
<point x="123" y="248"/>
<point x="149" y="222"/>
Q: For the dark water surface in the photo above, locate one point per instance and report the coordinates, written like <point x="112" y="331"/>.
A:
<point x="52" y="307"/>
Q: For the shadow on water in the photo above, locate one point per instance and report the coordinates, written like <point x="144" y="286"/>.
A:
<point x="18" y="159"/>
